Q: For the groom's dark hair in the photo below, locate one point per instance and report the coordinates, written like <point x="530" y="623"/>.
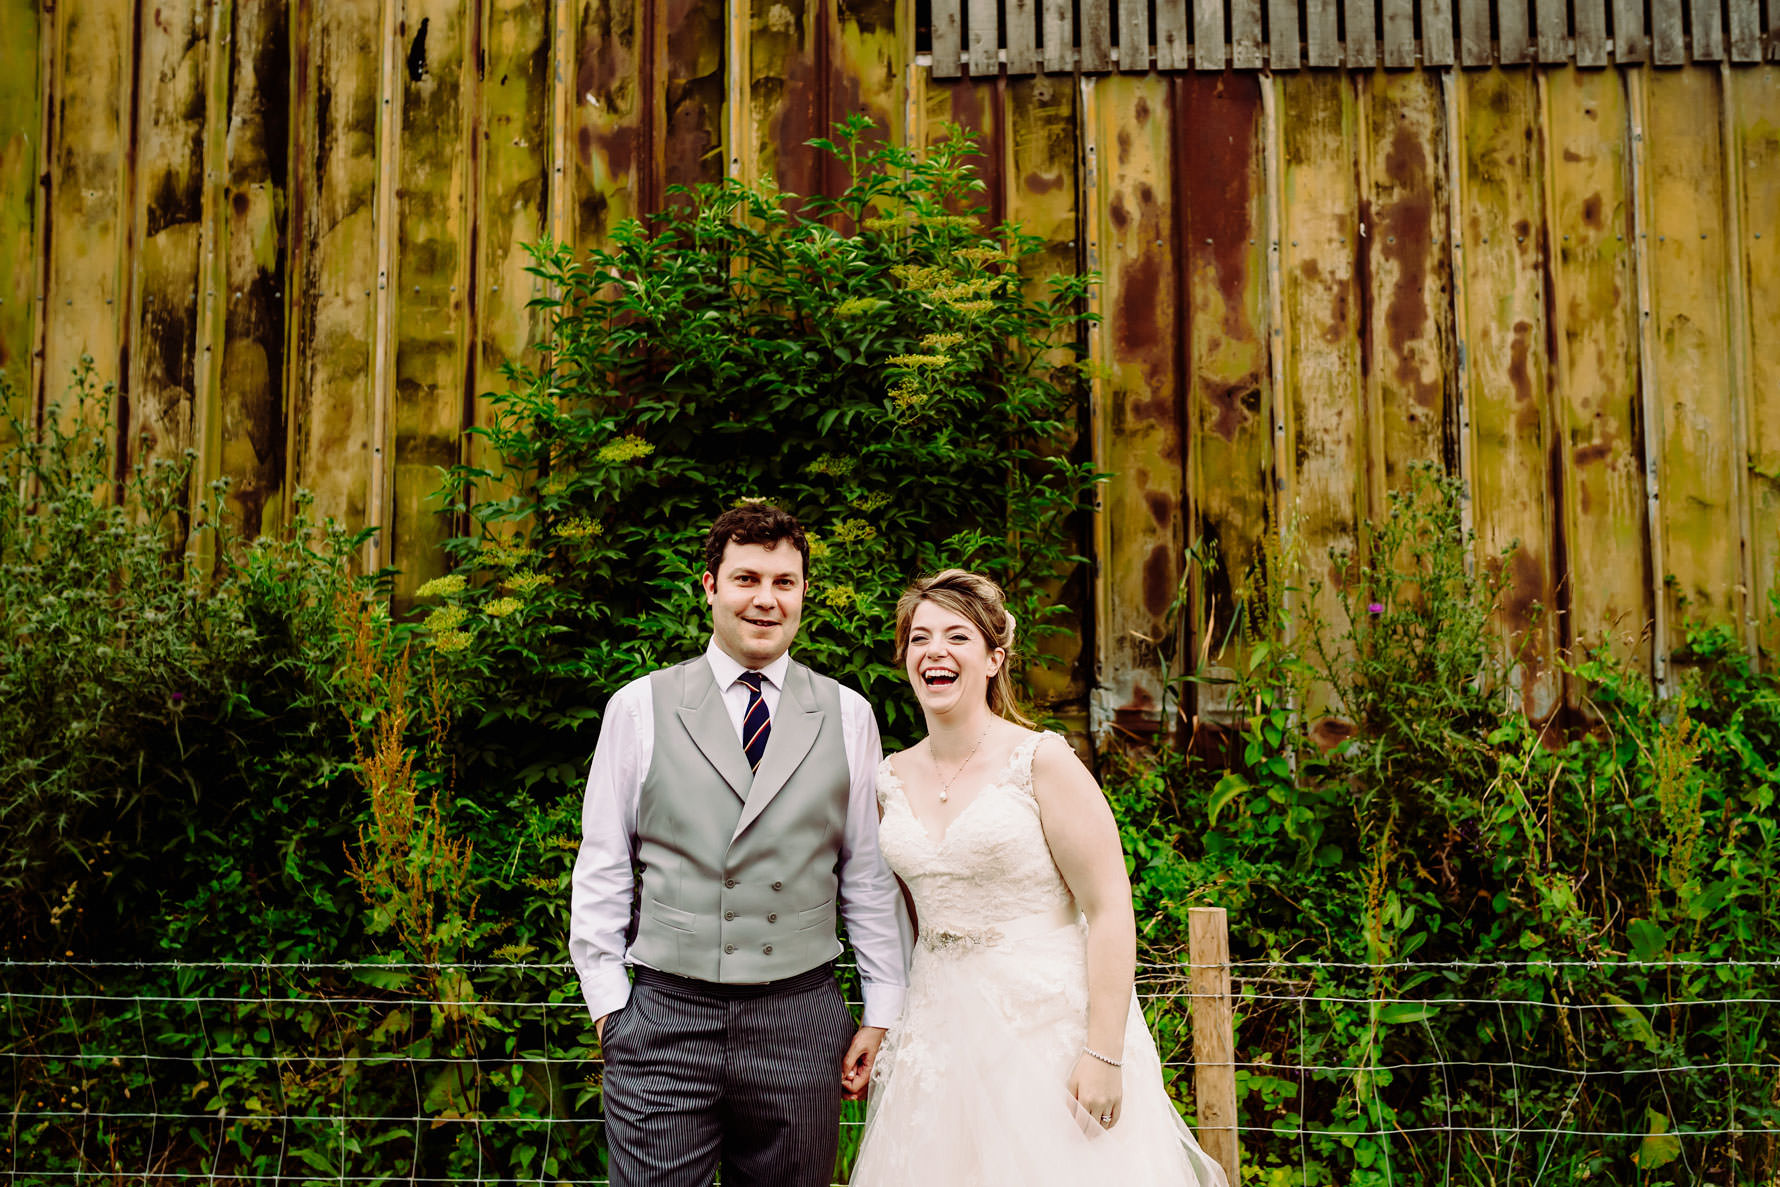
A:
<point x="754" y="523"/>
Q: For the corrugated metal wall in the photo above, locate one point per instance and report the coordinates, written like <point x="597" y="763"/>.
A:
<point x="292" y="230"/>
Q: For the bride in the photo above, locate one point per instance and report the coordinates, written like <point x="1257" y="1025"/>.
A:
<point x="1021" y="1056"/>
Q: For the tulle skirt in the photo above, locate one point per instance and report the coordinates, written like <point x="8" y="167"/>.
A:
<point x="971" y="1088"/>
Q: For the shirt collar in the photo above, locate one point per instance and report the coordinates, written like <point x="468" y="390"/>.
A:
<point x="725" y="670"/>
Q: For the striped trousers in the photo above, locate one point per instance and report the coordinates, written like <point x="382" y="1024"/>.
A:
<point x="746" y="1077"/>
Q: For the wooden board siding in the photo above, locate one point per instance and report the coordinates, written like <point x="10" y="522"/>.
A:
<point x="21" y="138"/>
<point x="1499" y="270"/>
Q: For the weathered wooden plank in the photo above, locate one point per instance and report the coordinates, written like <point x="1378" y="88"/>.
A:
<point x="1631" y="42"/>
<point x="168" y="211"/>
<point x="1504" y="324"/>
<point x="1755" y="138"/>
<point x="1745" y="22"/>
<point x="1208" y="34"/>
<point x="1399" y="33"/>
<point x="1404" y="263"/>
<point x="1283" y="50"/>
<point x="1246" y="50"/>
<point x="244" y="415"/>
<point x="336" y="49"/>
<point x="1322" y="31"/>
<point x="87" y="237"/>
<point x="512" y="199"/>
<point x="1059" y="35"/>
<point x="1668" y="46"/>
<point x="1174" y="44"/>
<point x="948" y="38"/>
<point x="1137" y="430"/>
<point x="1689" y="365"/>
<point x="1221" y="220"/>
<point x="440" y="118"/>
<point x="1096" y="37"/>
<point x="1042" y="183"/>
<point x="984" y="49"/>
<point x="1360" y="33"/>
<point x="1475" y="48"/>
<point x="1514" y="42"/>
<point x="1134" y="38"/>
<point x="1022" y="36"/>
<point x="1437" y="32"/>
<point x="21" y="125"/>
<point x="1708" y="29"/>
<point x="1591" y="32"/>
<point x="1595" y="322"/>
<point x="1324" y="452"/>
<point x="1553" y="30"/>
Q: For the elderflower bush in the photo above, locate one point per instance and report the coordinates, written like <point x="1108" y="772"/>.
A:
<point x="876" y="362"/>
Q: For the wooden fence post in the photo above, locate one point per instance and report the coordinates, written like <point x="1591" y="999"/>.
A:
<point x="1214" y="1039"/>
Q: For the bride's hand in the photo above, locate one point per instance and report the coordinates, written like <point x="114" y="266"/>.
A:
<point x="1098" y="1088"/>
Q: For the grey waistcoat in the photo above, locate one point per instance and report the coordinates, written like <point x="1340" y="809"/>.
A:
<point x="740" y="871"/>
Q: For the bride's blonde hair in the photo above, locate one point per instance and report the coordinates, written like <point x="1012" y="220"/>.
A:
<point x="980" y="602"/>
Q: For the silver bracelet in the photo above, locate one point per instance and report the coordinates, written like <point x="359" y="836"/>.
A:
<point x="1106" y="1059"/>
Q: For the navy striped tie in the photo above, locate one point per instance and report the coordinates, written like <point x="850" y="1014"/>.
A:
<point x="756" y="725"/>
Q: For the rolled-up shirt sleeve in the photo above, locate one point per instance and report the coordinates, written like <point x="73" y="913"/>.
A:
<point x="870" y="902"/>
<point x="604" y="881"/>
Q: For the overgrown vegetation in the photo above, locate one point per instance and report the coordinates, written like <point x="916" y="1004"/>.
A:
<point x="234" y="754"/>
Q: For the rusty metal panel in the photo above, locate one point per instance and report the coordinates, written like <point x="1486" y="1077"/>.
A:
<point x="1755" y="137"/>
<point x="1042" y="183"/>
<point x="1689" y="366"/>
<point x="441" y="151"/>
<point x="867" y="71"/>
<point x="616" y="117"/>
<point x="1403" y="269"/>
<point x="1322" y="459"/>
<point x="336" y="50"/>
<point x="788" y="48"/>
<point x="87" y="239"/>
<point x="1513" y="444"/>
<point x="979" y="105"/>
<point x="167" y="206"/>
<point x="243" y="370"/>
<point x="1221" y="224"/>
<point x="1137" y="430"/>
<point x="21" y="123"/>
<point x="512" y="200"/>
<point x="1595" y="332"/>
<point x="690" y="45"/>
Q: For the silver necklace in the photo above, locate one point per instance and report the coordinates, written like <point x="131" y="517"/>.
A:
<point x="945" y="784"/>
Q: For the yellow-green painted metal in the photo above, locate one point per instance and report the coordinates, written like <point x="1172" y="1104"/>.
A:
<point x="21" y="145"/>
<point x="292" y="232"/>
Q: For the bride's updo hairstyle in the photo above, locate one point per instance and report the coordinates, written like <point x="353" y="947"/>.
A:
<point x="980" y="602"/>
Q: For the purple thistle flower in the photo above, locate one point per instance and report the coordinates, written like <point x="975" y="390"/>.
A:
<point x="1375" y="608"/>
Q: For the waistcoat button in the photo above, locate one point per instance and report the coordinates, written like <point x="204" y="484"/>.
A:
<point x="776" y="885"/>
<point x="729" y="947"/>
<point x="730" y="883"/>
<point x="768" y="950"/>
<point x="773" y="918"/>
<point x="729" y="914"/>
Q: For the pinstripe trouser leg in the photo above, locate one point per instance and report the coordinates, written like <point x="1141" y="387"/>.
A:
<point x="745" y="1075"/>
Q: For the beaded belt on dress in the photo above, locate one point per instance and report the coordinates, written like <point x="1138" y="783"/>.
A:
<point x="1020" y="928"/>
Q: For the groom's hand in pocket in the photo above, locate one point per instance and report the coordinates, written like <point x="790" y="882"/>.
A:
<point x="856" y="1065"/>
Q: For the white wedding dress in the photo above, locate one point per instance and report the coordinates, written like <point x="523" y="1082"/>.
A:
<point x="971" y="1085"/>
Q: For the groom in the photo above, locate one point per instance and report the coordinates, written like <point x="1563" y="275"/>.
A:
<point x="730" y="813"/>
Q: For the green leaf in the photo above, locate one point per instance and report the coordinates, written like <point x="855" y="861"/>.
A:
<point x="1228" y="788"/>
<point x="1647" y="939"/>
<point x="1641" y="1027"/>
<point x="1659" y="1147"/>
<point x="1397" y="1013"/>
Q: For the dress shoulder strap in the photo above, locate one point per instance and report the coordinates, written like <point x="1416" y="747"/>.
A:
<point x="888" y="780"/>
<point x="1022" y="758"/>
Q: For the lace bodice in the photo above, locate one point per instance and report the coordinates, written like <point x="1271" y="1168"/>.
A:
<point x="992" y="865"/>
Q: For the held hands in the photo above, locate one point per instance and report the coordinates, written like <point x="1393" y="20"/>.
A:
<point x="1099" y="1089"/>
<point x="857" y="1064"/>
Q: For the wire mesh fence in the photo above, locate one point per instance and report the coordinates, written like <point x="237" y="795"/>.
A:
<point x="1392" y="1073"/>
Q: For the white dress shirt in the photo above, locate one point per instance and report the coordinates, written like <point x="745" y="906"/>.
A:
<point x="604" y="882"/>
